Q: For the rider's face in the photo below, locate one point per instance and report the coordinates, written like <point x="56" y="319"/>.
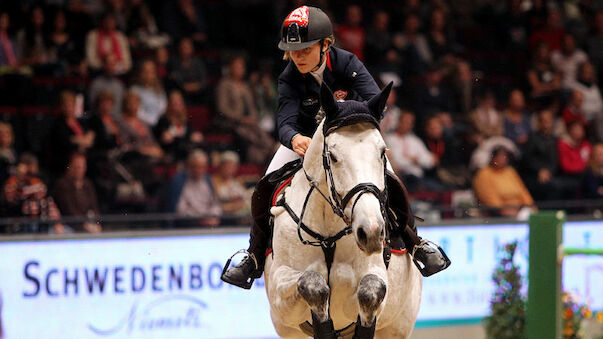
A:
<point x="306" y="59"/>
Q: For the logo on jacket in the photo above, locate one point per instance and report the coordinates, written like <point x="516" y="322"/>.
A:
<point x="309" y="102"/>
<point x="340" y="95"/>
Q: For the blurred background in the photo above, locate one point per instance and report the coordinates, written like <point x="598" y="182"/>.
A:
<point x="108" y="106"/>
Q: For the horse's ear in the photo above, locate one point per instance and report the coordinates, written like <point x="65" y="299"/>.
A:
<point x="327" y="101"/>
<point x="377" y="103"/>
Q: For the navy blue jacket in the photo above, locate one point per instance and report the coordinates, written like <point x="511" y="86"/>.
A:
<point x="298" y="94"/>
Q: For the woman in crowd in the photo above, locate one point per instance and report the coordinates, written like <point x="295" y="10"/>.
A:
<point x="173" y="132"/>
<point x="499" y="186"/>
<point x="149" y="89"/>
<point x="104" y="40"/>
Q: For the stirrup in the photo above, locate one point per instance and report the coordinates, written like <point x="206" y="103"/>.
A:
<point x="249" y="282"/>
<point x="424" y="271"/>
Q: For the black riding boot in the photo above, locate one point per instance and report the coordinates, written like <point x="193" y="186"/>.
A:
<point x="252" y="266"/>
<point x="429" y="260"/>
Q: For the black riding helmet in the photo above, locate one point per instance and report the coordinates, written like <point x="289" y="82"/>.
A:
<point x="303" y="27"/>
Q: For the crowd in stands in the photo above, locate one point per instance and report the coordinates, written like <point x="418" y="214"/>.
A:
<point x="128" y="106"/>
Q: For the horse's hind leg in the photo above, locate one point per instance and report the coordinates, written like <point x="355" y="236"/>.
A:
<point x="314" y="289"/>
<point x="371" y="292"/>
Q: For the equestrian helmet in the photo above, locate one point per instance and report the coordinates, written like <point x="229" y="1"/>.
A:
<point x="303" y="27"/>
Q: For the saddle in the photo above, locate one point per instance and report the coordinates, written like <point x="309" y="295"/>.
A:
<point x="398" y="212"/>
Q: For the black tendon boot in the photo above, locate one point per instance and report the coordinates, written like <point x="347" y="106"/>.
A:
<point x="324" y="330"/>
<point x="361" y="332"/>
<point x="252" y="266"/>
<point x="428" y="259"/>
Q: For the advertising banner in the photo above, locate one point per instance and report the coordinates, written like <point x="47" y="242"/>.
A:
<point x="170" y="287"/>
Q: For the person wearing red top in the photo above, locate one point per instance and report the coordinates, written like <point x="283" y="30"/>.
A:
<point x="552" y="33"/>
<point x="573" y="111"/>
<point x="574" y="150"/>
<point x="351" y="35"/>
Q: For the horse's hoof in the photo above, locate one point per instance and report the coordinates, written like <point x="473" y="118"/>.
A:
<point x="314" y="289"/>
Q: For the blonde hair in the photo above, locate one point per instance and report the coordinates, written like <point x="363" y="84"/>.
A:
<point x="330" y="41"/>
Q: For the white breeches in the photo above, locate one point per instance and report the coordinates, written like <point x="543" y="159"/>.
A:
<point x="284" y="155"/>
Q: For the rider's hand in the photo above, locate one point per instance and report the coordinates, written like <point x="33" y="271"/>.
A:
<point x="300" y="144"/>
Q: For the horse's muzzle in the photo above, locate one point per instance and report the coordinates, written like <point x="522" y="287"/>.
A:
<point x="370" y="238"/>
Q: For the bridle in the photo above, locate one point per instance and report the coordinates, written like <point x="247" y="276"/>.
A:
<point x="337" y="203"/>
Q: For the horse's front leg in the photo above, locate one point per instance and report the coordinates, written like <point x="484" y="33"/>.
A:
<point x="371" y="292"/>
<point x="313" y="288"/>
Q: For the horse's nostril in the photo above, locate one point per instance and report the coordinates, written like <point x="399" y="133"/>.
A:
<point x="361" y="236"/>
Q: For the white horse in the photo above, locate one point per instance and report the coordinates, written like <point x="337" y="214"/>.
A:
<point x="346" y="158"/>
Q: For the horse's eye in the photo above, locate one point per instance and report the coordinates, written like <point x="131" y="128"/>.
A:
<point x="333" y="159"/>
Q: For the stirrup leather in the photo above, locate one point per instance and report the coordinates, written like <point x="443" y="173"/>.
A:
<point x="423" y="269"/>
<point x="247" y="285"/>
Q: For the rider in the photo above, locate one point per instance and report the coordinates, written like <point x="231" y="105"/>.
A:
<point x="307" y="39"/>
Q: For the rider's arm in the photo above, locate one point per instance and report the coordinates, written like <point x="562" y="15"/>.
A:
<point x="287" y="112"/>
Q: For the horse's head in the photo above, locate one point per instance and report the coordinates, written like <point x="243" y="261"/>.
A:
<point x="351" y="150"/>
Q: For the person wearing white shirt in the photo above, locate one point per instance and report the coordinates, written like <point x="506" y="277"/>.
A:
<point x="592" y="105"/>
<point x="567" y="61"/>
<point x="407" y="153"/>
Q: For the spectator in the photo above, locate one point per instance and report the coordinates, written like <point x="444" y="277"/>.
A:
<point x="26" y="196"/>
<point x="183" y="18"/>
<point x="134" y="133"/>
<point x="573" y="110"/>
<point x="567" y="60"/>
<point x="499" y="186"/>
<point x="544" y="81"/>
<point x="592" y="106"/>
<point x="173" y="132"/>
<point x="67" y="134"/>
<point x="229" y="190"/>
<point x="408" y="155"/>
<point x="541" y="160"/>
<point x="106" y="40"/>
<point x="162" y="61"/>
<point x="188" y="72"/>
<point x="62" y="47"/>
<point x="264" y="92"/>
<point x="109" y="82"/>
<point x="234" y="101"/>
<point x="8" y="53"/>
<point x="140" y="150"/>
<point x="439" y="37"/>
<point x="378" y="39"/>
<point x="152" y="96"/>
<point x="486" y="119"/>
<point x="574" y="150"/>
<point x="32" y="45"/>
<point x="593" y="179"/>
<point x="105" y="127"/>
<point x="391" y="116"/>
<point x="551" y="34"/>
<point x="351" y="35"/>
<point x="432" y="97"/>
<point x="192" y="194"/>
<point x="449" y="169"/>
<point x="75" y="195"/>
<point x="516" y="123"/>
<point x="415" y="45"/>
<point x="142" y="28"/>
<point x="8" y="156"/>
<point x="594" y="44"/>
